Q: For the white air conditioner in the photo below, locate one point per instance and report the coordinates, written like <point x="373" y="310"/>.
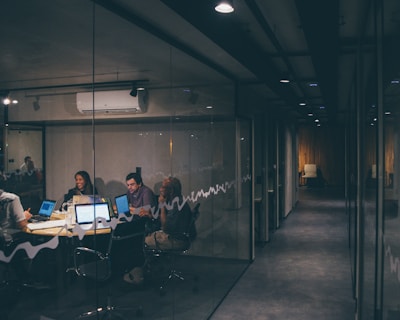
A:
<point x="117" y="101"/>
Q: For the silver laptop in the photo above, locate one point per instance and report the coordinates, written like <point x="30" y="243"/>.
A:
<point x="86" y="214"/>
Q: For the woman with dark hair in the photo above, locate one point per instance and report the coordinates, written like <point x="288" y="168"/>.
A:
<point x="83" y="186"/>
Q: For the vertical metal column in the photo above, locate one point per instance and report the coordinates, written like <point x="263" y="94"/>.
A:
<point x="380" y="163"/>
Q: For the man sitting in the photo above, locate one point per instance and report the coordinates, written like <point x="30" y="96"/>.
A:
<point x="174" y="217"/>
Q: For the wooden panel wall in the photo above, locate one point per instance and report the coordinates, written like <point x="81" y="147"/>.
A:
<point x="323" y="146"/>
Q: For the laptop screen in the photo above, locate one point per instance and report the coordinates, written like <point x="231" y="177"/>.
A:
<point x="121" y="202"/>
<point x="85" y="213"/>
<point x="47" y="207"/>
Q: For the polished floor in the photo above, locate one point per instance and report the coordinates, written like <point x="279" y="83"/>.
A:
<point x="304" y="272"/>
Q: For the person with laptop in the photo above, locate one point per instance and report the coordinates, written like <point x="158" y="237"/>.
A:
<point x="13" y="221"/>
<point x="13" y="218"/>
<point x="141" y="199"/>
<point x="139" y="195"/>
<point x="83" y="186"/>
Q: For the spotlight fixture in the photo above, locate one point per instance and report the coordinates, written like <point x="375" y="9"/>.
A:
<point x="133" y="92"/>
<point x="135" y="88"/>
<point x="224" y="6"/>
<point x="36" y="105"/>
<point x="7" y="100"/>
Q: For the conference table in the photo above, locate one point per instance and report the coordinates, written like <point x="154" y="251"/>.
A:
<point x="65" y="229"/>
<point x="64" y="239"/>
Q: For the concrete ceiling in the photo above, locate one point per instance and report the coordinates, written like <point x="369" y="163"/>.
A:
<point x="70" y="43"/>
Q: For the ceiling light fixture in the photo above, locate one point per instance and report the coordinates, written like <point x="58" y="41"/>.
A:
<point x="224" y="6"/>
<point x="36" y="105"/>
<point x="7" y="100"/>
<point x="135" y="89"/>
<point x="285" y="78"/>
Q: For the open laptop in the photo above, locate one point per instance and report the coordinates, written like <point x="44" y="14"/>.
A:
<point x="87" y="213"/>
<point x="122" y="205"/>
<point x="45" y="211"/>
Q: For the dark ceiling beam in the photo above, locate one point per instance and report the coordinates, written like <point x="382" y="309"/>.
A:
<point x="130" y="16"/>
<point x="255" y="10"/>
<point x="320" y="24"/>
<point x="228" y="34"/>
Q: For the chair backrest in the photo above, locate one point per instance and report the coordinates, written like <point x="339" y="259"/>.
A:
<point x="96" y="264"/>
<point x="192" y="231"/>
<point x="310" y="171"/>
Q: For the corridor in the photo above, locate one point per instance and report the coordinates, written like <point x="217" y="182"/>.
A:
<point x="304" y="272"/>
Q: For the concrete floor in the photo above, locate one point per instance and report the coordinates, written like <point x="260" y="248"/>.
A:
<point x="304" y="272"/>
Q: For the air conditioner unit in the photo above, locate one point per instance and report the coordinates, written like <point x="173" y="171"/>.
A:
<point x="117" y="101"/>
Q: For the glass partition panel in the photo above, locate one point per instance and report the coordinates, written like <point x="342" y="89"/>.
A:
<point x="184" y="128"/>
<point x="390" y="294"/>
<point x="23" y="167"/>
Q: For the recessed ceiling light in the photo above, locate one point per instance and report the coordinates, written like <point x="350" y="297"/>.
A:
<point x="224" y="6"/>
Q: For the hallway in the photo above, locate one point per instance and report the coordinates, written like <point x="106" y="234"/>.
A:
<point x="304" y="271"/>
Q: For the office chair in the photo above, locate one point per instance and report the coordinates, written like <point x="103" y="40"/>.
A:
<point x="10" y="285"/>
<point x="97" y="265"/>
<point x="168" y="256"/>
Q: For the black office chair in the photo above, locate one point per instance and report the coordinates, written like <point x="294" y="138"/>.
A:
<point x="167" y="257"/>
<point x="97" y="265"/>
<point x="10" y="285"/>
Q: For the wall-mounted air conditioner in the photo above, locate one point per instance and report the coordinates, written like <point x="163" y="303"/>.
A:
<point x="117" y="101"/>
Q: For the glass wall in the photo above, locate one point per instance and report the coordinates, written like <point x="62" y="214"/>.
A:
<point x="183" y="129"/>
<point x="372" y="166"/>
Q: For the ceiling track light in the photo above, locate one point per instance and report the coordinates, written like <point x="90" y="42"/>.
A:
<point x="136" y="86"/>
<point x="224" y="6"/>
<point x="7" y="100"/>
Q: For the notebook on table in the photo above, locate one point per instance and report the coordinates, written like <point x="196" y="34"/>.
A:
<point x="86" y="214"/>
<point x="45" y="211"/>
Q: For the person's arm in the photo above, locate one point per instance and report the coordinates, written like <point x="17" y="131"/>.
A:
<point x="163" y="212"/>
<point x="21" y="217"/>
<point x="23" y="223"/>
<point x="148" y="202"/>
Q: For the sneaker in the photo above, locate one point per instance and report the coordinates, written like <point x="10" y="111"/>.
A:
<point x="135" y="276"/>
